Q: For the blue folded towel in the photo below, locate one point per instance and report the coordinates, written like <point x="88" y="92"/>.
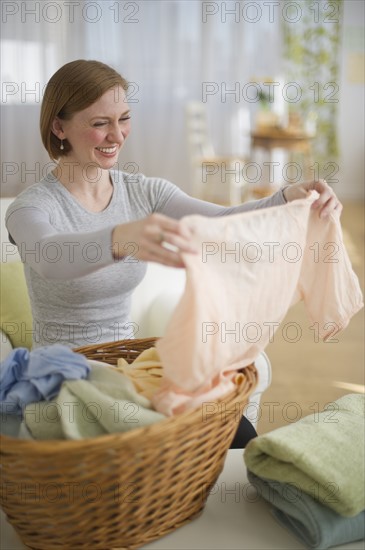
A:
<point x="314" y="524"/>
<point x="30" y="376"/>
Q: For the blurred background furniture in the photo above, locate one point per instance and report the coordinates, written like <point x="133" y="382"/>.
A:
<point x="292" y="142"/>
<point x="284" y="145"/>
<point x="215" y="178"/>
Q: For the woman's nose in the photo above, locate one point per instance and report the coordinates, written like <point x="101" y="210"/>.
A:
<point x="116" y="134"/>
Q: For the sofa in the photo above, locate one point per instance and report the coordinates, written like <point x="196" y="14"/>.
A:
<point x="153" y="302"/>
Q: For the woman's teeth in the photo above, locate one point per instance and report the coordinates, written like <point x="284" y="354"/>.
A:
<point x="107" y="149"/>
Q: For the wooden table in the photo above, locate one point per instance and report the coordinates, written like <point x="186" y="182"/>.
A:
<point x="290" y="141"/>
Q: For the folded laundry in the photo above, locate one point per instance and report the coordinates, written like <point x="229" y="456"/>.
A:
<point x="106" y="402"/>
<point x="323" y="455"/>
<point x="145" y="371"/>
<point x="252" y="268"/>
<point x="29" y="376"/>
<point x="171" y="399"/>
<point x="314" y="524"/>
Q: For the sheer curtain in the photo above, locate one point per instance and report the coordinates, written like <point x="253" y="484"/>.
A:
<point x="171" y="52"/>
<point x="311" y="50"/>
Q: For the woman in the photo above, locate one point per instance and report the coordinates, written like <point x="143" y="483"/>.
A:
<point x="85" y="231"/>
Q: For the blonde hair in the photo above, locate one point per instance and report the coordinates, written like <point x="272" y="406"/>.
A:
<point x="71" y="89"/>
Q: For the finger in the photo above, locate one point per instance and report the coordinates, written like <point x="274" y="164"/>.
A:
<point x="320" y="184"/>
<point x="163" y="237"/>
<point x="328" y="207"/>
<point x="161" y="228"/>
<point x="326" y="195"/>
<point x="322" y="187"/>
<point x="181" y="243"/>
<point x="334" y="207"/>
<point x="157" y="253"/>
<point x="166" y="224"/>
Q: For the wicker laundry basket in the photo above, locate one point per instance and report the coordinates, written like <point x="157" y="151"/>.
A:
<point x="119" y="490"/>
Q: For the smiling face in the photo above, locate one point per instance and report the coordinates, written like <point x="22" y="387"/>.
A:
<point x="97" y="134"/>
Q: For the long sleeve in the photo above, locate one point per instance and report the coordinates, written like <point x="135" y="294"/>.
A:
<point x="180" y="204"/>
<point x="60" y="240"/>
<point x="56" y="255"/>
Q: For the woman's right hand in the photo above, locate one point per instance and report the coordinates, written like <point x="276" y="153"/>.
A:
<point x="156" y="238"/>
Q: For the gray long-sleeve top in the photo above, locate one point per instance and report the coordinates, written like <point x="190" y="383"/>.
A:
<point x="79" y="293"/>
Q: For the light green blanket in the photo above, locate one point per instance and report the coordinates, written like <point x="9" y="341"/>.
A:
<point x="106" y="402"/>
<point x="322" y="454"/>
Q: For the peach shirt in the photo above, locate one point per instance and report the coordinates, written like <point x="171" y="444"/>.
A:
<point x="252" y="268"/>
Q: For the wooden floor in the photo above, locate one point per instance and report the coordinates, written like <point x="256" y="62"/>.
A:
<point x="309" y="374"/>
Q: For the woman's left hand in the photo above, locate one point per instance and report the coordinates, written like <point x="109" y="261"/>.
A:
<point x="327" y="201"/>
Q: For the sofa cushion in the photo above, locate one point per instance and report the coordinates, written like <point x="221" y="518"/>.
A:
<point x="15" y="312"/>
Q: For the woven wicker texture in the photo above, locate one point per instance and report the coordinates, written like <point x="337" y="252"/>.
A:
<point x="120" y="490"/>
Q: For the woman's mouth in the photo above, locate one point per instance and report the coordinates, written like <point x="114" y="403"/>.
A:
<point x="108" y="151"/>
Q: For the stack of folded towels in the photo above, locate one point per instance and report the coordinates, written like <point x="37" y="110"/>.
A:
<point x="312" y="472"/>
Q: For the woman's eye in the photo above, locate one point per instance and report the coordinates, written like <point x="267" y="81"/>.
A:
<point x="98" y="124"/>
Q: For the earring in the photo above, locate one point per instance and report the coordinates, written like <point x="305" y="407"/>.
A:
<point x="62" y="146"/>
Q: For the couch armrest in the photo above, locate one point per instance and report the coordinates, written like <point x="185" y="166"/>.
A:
<point x="5" y="346"/>
<point x="155" y="298"/>
<point x="253" y="409"/>
<point x="157" y="315"/>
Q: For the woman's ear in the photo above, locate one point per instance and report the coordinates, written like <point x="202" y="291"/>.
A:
<point x="57" y="128"/>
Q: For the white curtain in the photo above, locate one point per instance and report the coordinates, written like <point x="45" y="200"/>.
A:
<point x="172" y="51"/>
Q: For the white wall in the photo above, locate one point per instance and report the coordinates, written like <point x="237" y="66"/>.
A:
<point x="351" y="107"/>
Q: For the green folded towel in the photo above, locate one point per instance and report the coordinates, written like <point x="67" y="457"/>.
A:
<point x="322" y="454"/>
<point x="106" y="402"/>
